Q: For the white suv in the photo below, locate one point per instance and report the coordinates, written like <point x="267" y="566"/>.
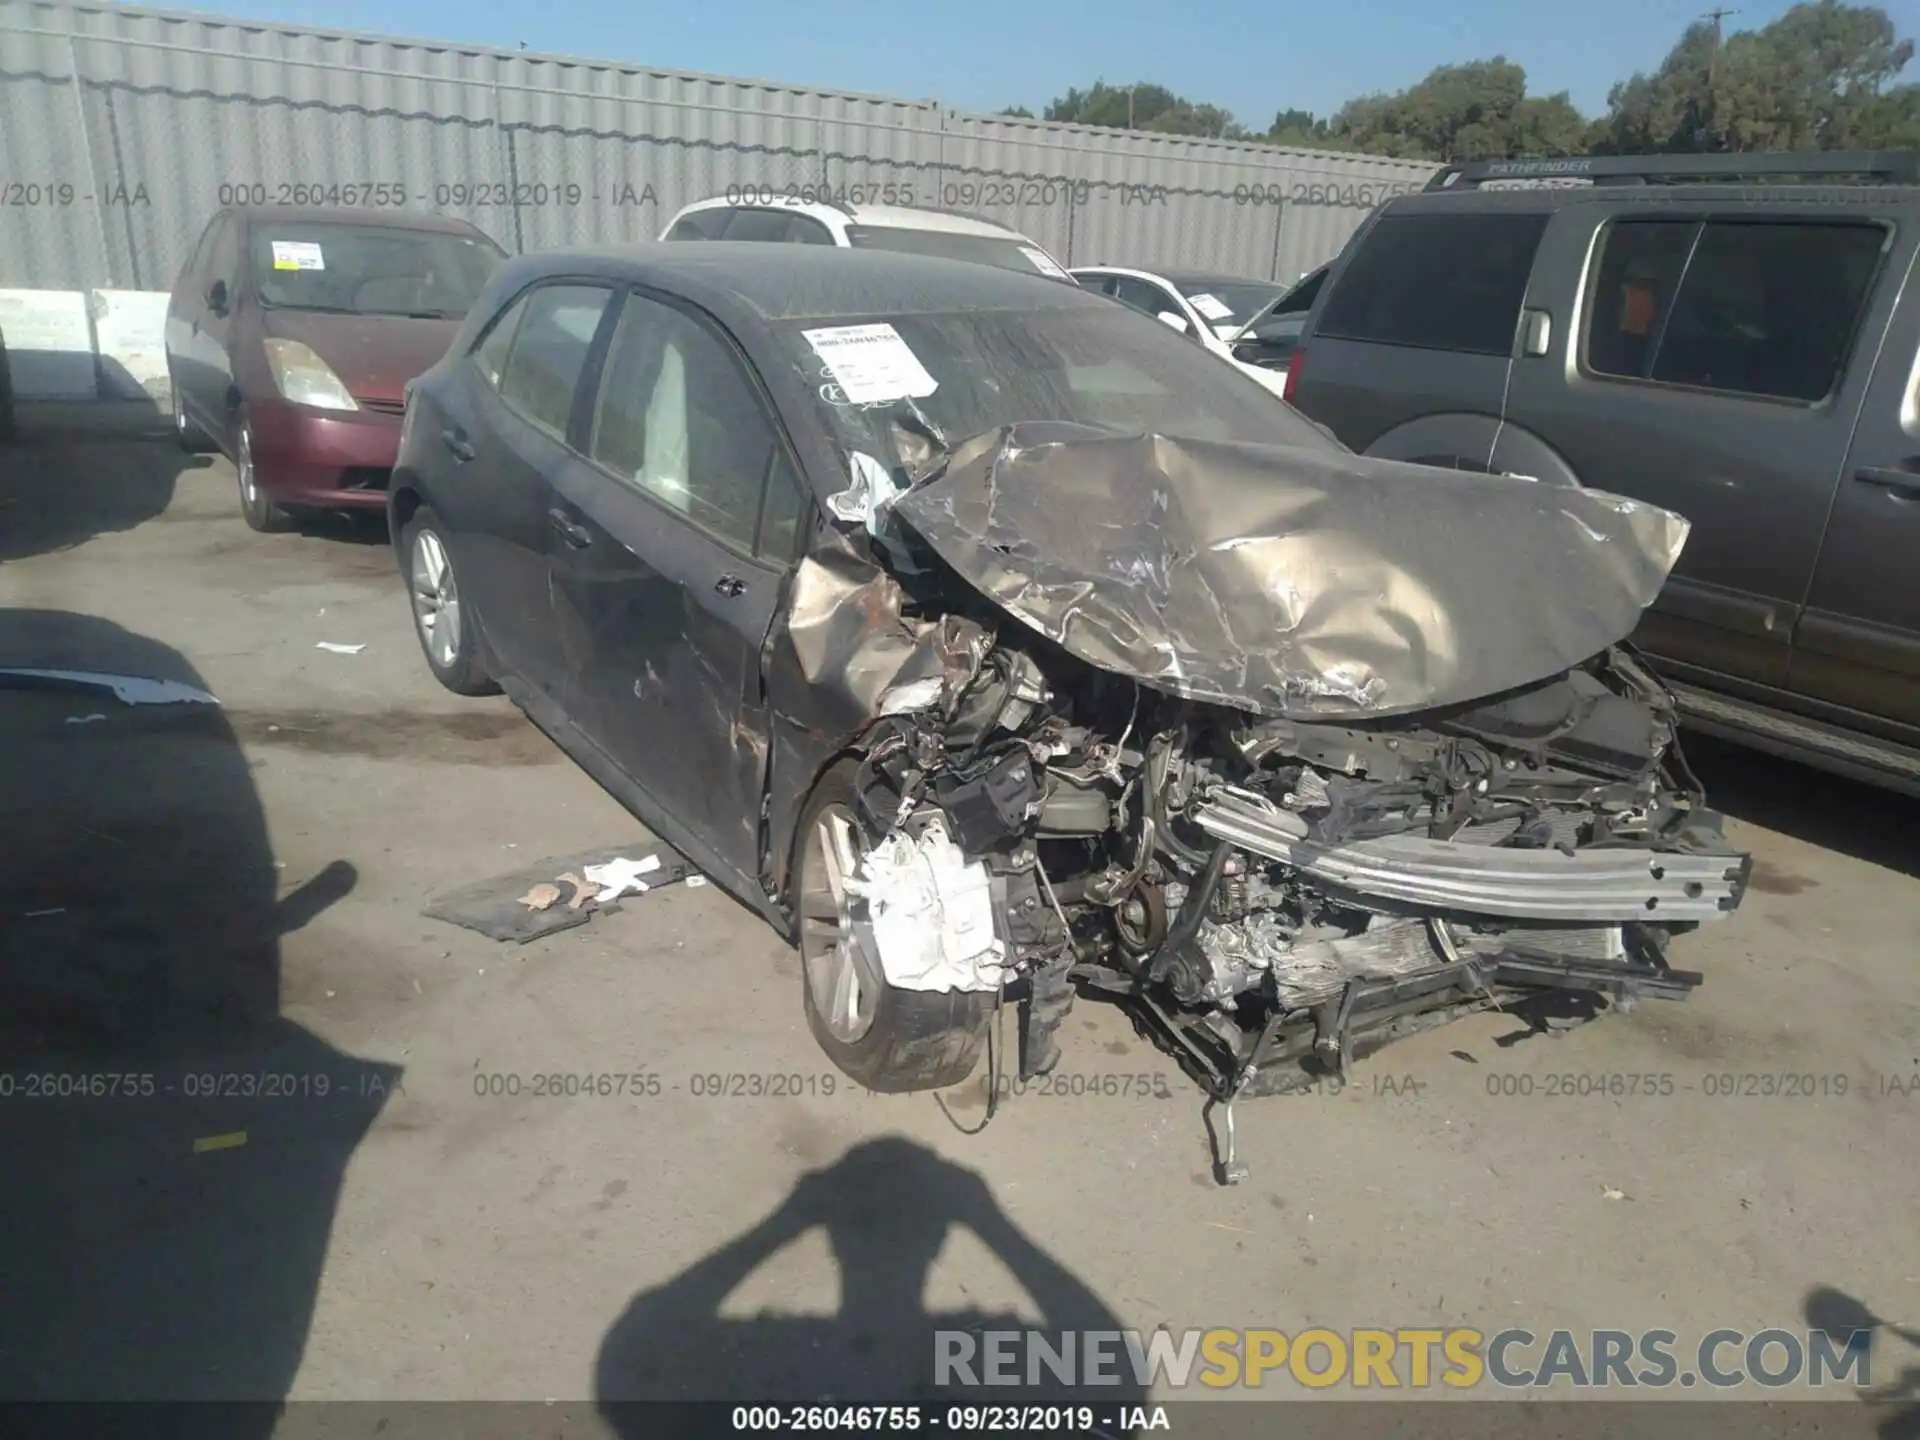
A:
<point x="750" y="212"/>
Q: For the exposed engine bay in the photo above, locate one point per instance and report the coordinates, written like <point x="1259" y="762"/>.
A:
<point x="1241" y="736"/>
<point x="1278" y="897"/>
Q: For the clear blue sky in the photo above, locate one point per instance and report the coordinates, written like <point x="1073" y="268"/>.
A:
<point x="1253" y="58"/>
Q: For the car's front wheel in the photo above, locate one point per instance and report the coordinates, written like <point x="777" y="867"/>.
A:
<point x="887" y="1038"/>
<point x="262" y="512"/>
<point x="441" y="618"/>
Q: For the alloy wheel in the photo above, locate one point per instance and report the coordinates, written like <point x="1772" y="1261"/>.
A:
<point x="243" y="464"/>
<point x="436" y="599"/>
<point x="843" y="979"/>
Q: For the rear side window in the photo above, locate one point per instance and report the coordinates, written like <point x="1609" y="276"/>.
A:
<point x="700" y="225"/>
<point x="1751" y="307"/>
<point x="759" y="225"/>
<point x="491" y="353"/>
<point x="549" y="351"/>
<point x="1437" y="282"/>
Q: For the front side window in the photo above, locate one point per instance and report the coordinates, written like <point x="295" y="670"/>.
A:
<point x="1437" y="282"/>
<point x="1750" y="307"/>
<point x="1147" y="298"/>
<point x="675" y="418"/>
<point x="350" y="269"/>
<point x="549" y="350"/>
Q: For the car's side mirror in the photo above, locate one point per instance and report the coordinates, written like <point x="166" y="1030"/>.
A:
<point x="1178" y="322"/>
<point x="217" y="297"/>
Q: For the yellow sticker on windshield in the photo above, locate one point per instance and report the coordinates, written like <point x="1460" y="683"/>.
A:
<point x="297" y="255"/>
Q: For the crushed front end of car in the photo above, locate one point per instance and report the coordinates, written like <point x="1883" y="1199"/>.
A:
<point x="1294" y="751"/>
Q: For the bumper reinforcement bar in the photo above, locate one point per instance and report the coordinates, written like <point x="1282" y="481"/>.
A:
<point x="1592" y="885"/>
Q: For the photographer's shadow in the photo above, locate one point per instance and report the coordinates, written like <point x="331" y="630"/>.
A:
<point x="887" y="1207"/>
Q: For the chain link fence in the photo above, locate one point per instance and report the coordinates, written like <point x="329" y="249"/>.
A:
<point x="125" y="129"/>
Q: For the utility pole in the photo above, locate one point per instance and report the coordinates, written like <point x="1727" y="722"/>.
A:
<point x="1708" y="111"/>
<point x="1713" y="55"/>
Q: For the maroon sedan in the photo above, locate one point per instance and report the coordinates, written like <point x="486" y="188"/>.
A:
<point x="292" y="334"/>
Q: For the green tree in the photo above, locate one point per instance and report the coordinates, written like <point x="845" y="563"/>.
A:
<point x="1143" y="106"/>
<point x="1815" y="79"/>
<point x="1477" y="111"/>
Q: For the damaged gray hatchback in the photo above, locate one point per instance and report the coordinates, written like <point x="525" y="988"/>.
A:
<point x="1001" y="647"/>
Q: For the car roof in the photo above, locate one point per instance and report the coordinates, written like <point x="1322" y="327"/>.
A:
<point x="366" y="215"/>
<point x="749" y="280"/>
<point x="1180" y="279"/>
<point x="1186" y="278"/>
<point x="894" y="217"/>
<point x="1542" y="197"/>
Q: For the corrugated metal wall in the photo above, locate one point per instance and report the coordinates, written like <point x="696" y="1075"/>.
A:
<point x="123" y="129"/>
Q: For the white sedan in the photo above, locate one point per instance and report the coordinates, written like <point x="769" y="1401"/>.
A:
<point x="1214" y="310"/>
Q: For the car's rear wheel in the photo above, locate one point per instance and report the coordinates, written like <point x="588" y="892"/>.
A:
<point x="889" y="1039"/>
<point x="441" y="618"/>
<point x="262" y="512"/>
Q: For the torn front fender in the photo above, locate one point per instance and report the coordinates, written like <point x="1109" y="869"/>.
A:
<point x="1289" y="581"/>
<point x="841" y="655"/>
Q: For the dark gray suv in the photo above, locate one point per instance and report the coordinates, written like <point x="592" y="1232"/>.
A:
<point x="1730" y="337"/>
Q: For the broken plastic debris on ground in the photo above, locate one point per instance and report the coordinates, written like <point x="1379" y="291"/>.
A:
<point x="128" y="689"/>
<point x="561" y="892"/>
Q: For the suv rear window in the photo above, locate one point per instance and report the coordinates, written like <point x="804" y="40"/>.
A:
<point x="1437" y="282"/>
<point x="1753" y="307"/>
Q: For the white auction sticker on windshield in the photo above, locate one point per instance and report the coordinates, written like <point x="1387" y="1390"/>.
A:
<point x="1210" y="306"/>
<point x="297" y="255"/>
<point x="871" y="363"/>
<point x="1044" y="263"/>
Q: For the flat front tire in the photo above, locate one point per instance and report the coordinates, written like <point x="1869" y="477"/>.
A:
<point x="441" y="617"/>
<point x="889" y="1039"/>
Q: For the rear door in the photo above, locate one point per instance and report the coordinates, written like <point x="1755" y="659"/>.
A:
<point x="1858" y="643"/>
<point x="1408" y="354"/>
<point x="1708" y="371"/>
<point x="503" y="462"/>
<point x="675" y="528"/>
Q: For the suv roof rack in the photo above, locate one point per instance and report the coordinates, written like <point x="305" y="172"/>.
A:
<point x="1884" y="167"/>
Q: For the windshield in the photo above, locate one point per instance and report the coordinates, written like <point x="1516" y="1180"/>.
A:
<point x="370" y="269"/>
<point x="1103" y="366"/>
<point x="1010" y="253"/>
<point x="1233" y="302"/>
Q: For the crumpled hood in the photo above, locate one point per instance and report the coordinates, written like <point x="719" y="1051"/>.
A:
<point x="1290" y="581"/>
